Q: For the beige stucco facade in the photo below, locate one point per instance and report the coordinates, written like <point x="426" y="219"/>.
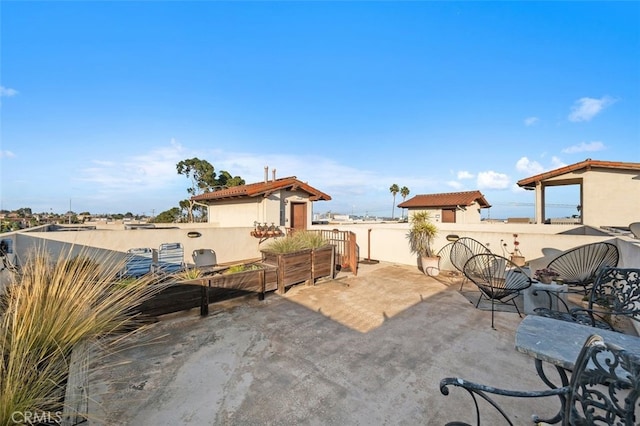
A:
<point x="275" y="208"/>
<point x="464" y="214"/>
<point x="608" y="197"/>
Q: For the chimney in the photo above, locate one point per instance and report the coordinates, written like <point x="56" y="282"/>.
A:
<point x="266" y="174"/>
<point x="274" y="174"/>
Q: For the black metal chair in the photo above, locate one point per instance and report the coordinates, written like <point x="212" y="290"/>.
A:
<point x="445" y="265"/>
<point x="615" y="294"/>
<point x="464" y="249"/>
<point x="604" y="388"/>
<point x="579" y="266"/>
<point x="498" y="279"/>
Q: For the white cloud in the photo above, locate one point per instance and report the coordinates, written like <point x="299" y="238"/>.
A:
<point x="515" y="188"/>
<point x="454" y="184"/>
<point x="7" y="92"/>
<point x="530" y="121"/>
<point x="527" y="166"/>
<point x="492" y="180"/>
<point x="152" y="170"/>
<point x="584" y="109"/>
<point x="585" y="147"/>
<point x="463" y="174"/>
<point x="6" y="154"/>
<point x="557" y="163"/>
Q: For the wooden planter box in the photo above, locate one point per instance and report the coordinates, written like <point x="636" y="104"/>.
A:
<point x="202" y="291"/>
<point x="257" y="281"/>
<point x="301" y="266"/>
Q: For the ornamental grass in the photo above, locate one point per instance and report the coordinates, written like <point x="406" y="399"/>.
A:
<point x="50" y="306"/>
<point x="298" y="240"/>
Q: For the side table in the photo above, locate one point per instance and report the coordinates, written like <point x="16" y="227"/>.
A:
<point x="541" y="298"/>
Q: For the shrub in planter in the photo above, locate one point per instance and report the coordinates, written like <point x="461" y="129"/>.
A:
<point x="421" y="235"/>
<point x="193" y="288"/>
<point x="300" y="256"/>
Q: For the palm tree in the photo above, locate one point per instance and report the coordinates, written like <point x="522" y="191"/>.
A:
<point x="404" y="191"/>
<point x="394" y="190"/>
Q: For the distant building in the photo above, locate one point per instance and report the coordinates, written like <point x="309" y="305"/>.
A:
<point x="609" y="191"/>
<point x="285" y="202"/>
<point x="450" y="207"/>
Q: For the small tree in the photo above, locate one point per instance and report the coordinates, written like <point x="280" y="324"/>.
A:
<point x="203" y="179"/>
<point x="394" y="189"/>
<point x="169" y="216"/>
<point x="404" y="191"/>
<point x="421" y="234"/>
<point x="202" y="176"/>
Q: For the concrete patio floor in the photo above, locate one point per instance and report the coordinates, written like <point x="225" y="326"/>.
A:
<point x="365" y="350"/>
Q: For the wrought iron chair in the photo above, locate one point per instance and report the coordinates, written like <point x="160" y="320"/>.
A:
<point x="464" y="249"/>
<point x="615" y="294"/>
<point x="498" y="279"/>
<point x="579" y="266"/>
<point x="604" y="388"/>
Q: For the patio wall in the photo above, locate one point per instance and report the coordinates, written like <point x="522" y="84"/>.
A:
<point x="388" y="242"/>
<point x="381" y="241"/>
<point x="385" y="242"/>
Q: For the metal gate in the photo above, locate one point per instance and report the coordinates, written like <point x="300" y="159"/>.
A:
<point x="346" y="248"/>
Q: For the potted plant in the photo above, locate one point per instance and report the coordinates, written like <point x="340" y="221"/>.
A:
<point x="546" y="275"/>
<point x="421" y="235"/>
<point x="300" y="256"/>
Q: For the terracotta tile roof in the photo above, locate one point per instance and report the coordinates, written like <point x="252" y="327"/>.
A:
<point x="448" y="199"/>
<point x="263" y="189"/>
<point x="588" y="164"/>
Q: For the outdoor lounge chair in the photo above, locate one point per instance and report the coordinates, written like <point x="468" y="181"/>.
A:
<point x="498" y="279"/>
<point x="604" y="388"/>
<point x="464" y="249"/>
<point x="204" y="258"/>
<point x="579" y="266"/>
<point x="170" y="258"/>
<point x="615" y="294"/>
<point x="138" y="262"/>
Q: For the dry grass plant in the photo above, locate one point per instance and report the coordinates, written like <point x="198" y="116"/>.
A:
<point x="51" y="306"/>
<point x="299" y="240"/>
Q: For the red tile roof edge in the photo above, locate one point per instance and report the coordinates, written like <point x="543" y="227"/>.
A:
<point x="261" y="188"/>
<point x="587" y="164"/>
<point x="447" y="199"/>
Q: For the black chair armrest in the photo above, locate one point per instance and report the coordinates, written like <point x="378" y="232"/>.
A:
<point x="483" y="392"/>
<point x="554" y="296"/>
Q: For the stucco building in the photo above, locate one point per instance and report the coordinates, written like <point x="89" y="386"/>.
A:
<point x="450" y="207"/>
<point x="285" y="202"/>
<point x="609" y="191"/>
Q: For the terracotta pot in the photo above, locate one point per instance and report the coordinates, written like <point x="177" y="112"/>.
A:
<point x="545" y="279"/>
<point x="518" y="260"/>
<point x="430" y="265"/>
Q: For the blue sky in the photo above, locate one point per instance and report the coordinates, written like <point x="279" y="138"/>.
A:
<point x="101" y="100"/>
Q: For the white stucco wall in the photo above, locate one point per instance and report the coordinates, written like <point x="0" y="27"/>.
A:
<point x="232" y="213"/>
<point x="468" y="215"/>
<point x="275" y="209"/>
<point x="384" y="242"/>
<point x="609" y="197"/>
